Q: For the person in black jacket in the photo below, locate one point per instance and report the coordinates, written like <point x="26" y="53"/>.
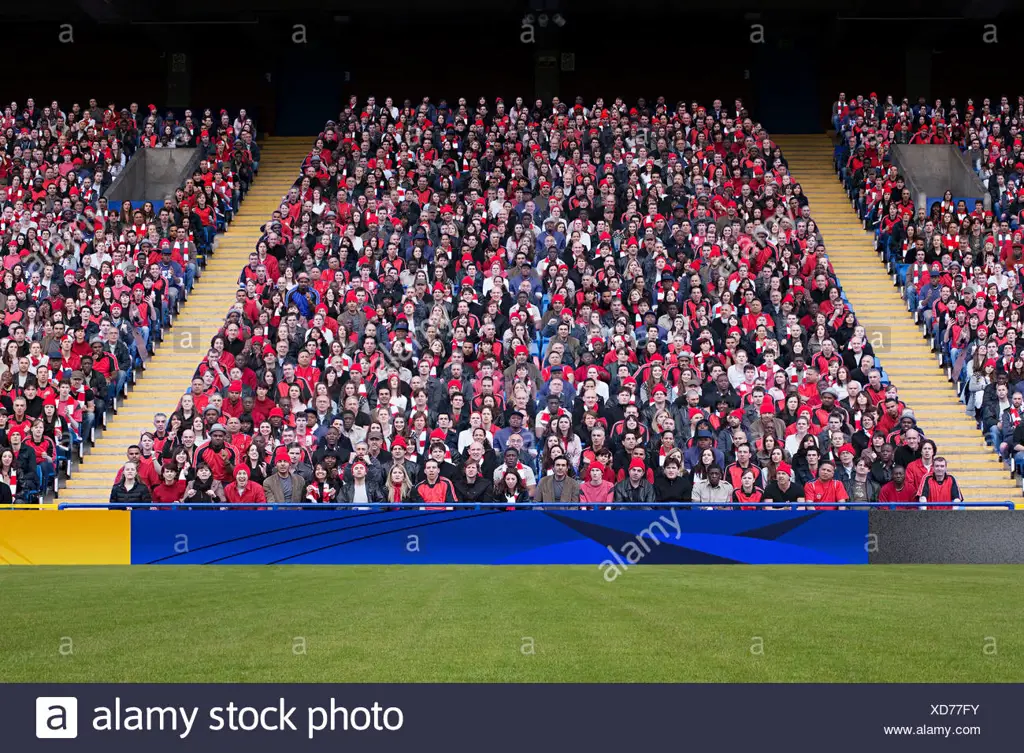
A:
<point x="635" y="487"/>
<point x="25" y="461"/>
<point x="473" y="486"/>
<point x="670" y="486"/>
<point x="361" y="484"/>
<point x="129" y="490"/>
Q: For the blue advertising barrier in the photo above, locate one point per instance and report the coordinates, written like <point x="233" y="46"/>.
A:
<point x="494" y="536"/>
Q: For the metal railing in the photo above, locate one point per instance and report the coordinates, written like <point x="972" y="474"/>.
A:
<point x="501" y="506"/>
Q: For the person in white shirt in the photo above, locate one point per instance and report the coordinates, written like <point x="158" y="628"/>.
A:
<point x="735" y="371"/>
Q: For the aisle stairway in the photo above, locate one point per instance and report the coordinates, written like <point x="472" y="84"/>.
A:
<point x="169" y="373"/>
<point x="904" y="353"/>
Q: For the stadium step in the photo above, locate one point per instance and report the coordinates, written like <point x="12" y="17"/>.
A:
<point x="905" y="354"/>
<point x="170" y="371"/>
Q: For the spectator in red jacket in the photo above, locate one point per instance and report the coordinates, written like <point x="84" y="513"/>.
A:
<point x="171" y="487"/>
<point x="245" y="492"/>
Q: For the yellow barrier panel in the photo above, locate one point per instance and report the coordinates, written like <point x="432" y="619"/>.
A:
<point x="69" y="537"/>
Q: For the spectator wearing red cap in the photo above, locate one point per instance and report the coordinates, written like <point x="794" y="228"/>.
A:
<point x="284" y="485"/>
<point x="845" y="468"/>
<point x="245" y="492"/>
<point x="232" y="405"/>
<point x="783" y="489"/>
<point x="596" y="490"/>
<point x="635" y="488"/>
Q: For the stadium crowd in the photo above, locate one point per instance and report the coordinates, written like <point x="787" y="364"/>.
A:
<point x="959" y="267"/>
<point x="506" y="301"/>
<point x="87" y="287"/>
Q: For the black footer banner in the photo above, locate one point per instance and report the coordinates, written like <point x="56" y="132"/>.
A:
<point x="520" y="718"/>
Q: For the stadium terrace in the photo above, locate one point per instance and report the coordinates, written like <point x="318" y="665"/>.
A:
<point x="578" y="303"/>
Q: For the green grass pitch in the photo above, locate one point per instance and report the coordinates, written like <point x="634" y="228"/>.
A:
<point x="512" y="624"/>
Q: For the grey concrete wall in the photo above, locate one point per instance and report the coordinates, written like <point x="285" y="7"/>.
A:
<point x="932" y="170"/>
<point x="153" y="174"/>
<point x="955" y="537"/>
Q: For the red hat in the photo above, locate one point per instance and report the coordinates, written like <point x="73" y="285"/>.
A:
<point x="241" y="469"/>
<point x="359" y="462"/>
<point x="767" y="407"/>
<point x="275" y="411"/>
<point x="350" y="297"/>
<point x="522" y="350"/>
<point x="369" y="312"/>
<point x="637" y="463"/>
<point x="990" y="362"/>
<point x="138" y="286"/>
<point x="784" y="468"/>
<point x="629" y="381"/>
<point x="847" y="448"/>
<point x="21" y="288"/>
<point x="437" y="435"/>
<point x="804" y="411"/>
<point x="597" y="464"/>
<point x="235" y="386"/>
<point x="400" y="442"/>
<point x="557" y="298"/>
<point x="281" y="455"/>
<point x="659" y="388"/>
<point x="454" y="384"/>
<point x="738" y="413"/>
